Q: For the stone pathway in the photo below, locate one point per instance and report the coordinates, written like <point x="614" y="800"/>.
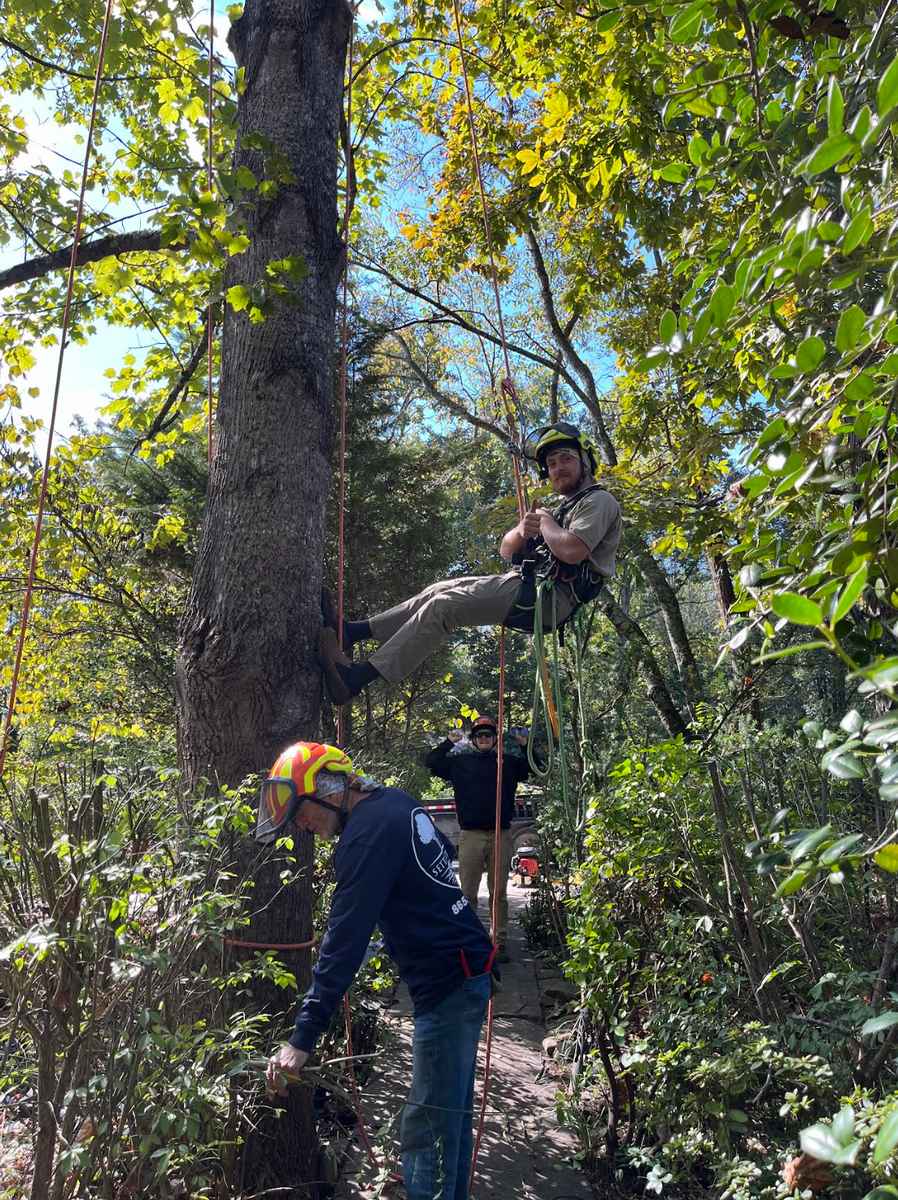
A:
<point x="524" y="1154"/>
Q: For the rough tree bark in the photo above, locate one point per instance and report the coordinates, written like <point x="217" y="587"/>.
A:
<point x="668" y="714"/>
<point x="672" y="616"/>
<point x="247" y="679"/>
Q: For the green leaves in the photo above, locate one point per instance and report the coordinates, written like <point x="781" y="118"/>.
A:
<point x="878" y="1024"/>
<point x="810" y="354"/>
<point x="797" y="609"/>
<point x="686" y="24"/>
<point x="887" y="89"/>
<point x="851" y="324"/>
<point x="667" y="327"/>
<point x="835" y="1143"/>
<point x="887" y="1138"/>
<point x="239" y="297"/>
<point x="835" y="106"/>
<point x="674" y="172"/>
<point x="887" y="858"/>
<point x="697" y="149"/>
<point x="858" y="232"/>
<point x="654" y="358"/>
<point x="827" y="155"/>
<point x="722" y="304"/>
<point x="850" y="593"/>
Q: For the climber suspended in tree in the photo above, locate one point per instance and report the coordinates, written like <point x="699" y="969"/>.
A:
<point x="574" y="546"/>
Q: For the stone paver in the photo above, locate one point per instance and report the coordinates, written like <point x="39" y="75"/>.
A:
<point x="524" y="1154"/>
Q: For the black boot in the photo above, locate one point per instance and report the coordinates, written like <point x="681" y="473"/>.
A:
<point x="353" y="631"/>
<point x="342" y="678"/>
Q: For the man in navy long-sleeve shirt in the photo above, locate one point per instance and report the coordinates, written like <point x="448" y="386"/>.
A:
<point x="393" y="871"/>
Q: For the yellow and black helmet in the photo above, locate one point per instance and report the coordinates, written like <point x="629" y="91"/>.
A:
<point x="560" y="436"/>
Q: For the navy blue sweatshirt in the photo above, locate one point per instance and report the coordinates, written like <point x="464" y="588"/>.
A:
<point x="473" y="777"/>
<point x="392" y="870"/>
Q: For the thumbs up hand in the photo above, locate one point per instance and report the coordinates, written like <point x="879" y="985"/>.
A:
<point x="529" y="526"/>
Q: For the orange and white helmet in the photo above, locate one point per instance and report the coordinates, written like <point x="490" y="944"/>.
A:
<point x="294" y="779"/>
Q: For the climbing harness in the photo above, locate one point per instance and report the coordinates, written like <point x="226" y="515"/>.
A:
<point x="63" y="342"/>
<point x="538" y="562"/>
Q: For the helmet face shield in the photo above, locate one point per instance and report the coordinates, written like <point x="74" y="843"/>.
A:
<point x="279" y="800"/>
<point x="294" y="780"/>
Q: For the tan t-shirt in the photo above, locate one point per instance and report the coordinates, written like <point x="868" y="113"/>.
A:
<point x="596" y="520"/>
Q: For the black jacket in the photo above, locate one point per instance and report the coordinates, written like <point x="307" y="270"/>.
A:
<point x="473" y="779"/>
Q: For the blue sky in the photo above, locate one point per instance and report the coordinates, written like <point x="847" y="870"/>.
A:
<point x="84" y="383"/>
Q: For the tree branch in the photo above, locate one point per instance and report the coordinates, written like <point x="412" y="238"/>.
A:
<point x="659" y="694"/>
<point x="442" y="399"/>
<point x="54" y="66"/>
<point x="88" y="252"/>
<point x="551" y="364"/>
<point x="672" y="616"/>
<point x="182" y="381"/>
<point x="566" y="346"/>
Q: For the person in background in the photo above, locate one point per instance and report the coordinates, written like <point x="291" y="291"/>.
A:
<point x="473" y="779"/>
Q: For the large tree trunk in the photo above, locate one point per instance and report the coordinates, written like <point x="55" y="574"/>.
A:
<point x="672" y="616"/>
<point x="248" y="683"/>
<point x="668" y="714"/>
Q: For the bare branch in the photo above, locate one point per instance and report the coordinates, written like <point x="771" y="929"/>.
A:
<point x="542" y="360"/>
<point x="441" y="399"/>
<point x="658" y="691"/>
<point x="182" y="381"/>
<point x="571" y="357"/>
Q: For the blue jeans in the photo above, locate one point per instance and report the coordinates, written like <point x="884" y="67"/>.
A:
<point x="437" y="1124"/>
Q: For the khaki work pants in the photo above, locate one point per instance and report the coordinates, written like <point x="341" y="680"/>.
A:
<point x="411" y="631"/>
<point x="475" y="851"/>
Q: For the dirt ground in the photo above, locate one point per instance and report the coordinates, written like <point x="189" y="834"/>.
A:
<point x="524" y="1154"/>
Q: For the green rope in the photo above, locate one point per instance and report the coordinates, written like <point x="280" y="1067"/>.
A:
<point x="541" y="708"/>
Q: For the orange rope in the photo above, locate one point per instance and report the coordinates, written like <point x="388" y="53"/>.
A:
<point x="357" y="1099"/>
<point x="341" y="515"/>
<point x="210" y="323"/>
<point x="272" y="945"/>
<point x="494" y="908"/>
<point x="341" y="558"/>
<point x="509" y="398"/>
<point x="63" y="338"/>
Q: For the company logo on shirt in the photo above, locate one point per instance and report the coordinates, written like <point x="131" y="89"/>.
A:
<point x="430" y="853"/>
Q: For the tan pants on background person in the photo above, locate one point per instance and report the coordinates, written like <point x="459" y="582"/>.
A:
<point x="411" y="631"/>
<point x="475" y="851"/>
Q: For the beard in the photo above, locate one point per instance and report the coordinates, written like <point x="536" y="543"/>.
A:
<point x="568" y="486"/>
